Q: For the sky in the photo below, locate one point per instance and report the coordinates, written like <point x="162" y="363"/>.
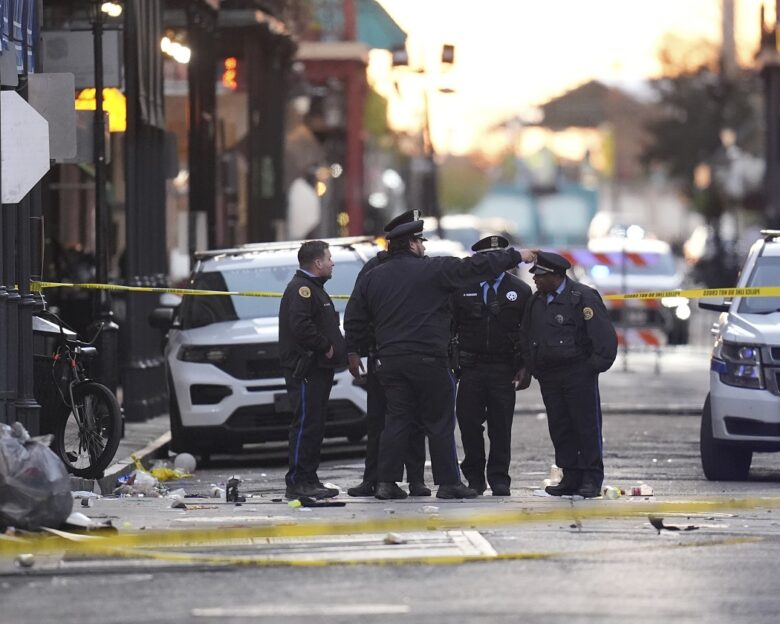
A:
<point x="513" y="55"/>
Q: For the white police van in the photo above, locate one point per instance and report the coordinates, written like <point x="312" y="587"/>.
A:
<point x="225" y="381"/>
<point x="741" y="414"/>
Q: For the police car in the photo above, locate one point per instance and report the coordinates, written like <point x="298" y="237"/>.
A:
<point x="225" y="382"/>
<point x="624" y="265"/>
<point x="741" y="413"/>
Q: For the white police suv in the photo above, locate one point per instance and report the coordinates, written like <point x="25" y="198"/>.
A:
<point x="742" y="411"/>
<point x="225" y="381"/>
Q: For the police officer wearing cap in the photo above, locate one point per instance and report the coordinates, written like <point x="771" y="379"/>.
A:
<point x="376" y="401"/>
<point x="569" y="341"/>
<point x="311" y="346"/>
<point x="486" y="323"/>
<point x="406" y="302"/>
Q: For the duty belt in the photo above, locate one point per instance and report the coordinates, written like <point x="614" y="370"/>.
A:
<point x="488" y="358"/>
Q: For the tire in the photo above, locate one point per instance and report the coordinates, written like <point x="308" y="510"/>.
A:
<point x="87" y="438"/>
<point x="721" y="462"/>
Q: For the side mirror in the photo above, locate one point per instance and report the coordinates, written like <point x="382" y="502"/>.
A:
<point x="715" y="307"/>
<point x="162" y="318"/>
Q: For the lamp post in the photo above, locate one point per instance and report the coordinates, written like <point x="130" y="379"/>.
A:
<point x="427" y="189"/>
<point x="103" y="322"/>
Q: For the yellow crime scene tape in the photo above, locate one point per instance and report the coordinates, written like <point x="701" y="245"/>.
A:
<point x="39" y="286"/>
<point x="127" y="544"/>
<point x="701" y="293"/>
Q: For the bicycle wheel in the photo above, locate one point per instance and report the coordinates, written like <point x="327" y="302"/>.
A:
<point x="88" y="437"/>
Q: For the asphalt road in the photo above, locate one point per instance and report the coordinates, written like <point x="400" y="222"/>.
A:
<point x="572" y="566"/>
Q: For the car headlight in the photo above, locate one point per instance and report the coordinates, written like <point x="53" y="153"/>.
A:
<point x="737" y="364"/>
<point x="203" y="355"/>
<point x="683" y="312"/>
<point x="673" y="302"/>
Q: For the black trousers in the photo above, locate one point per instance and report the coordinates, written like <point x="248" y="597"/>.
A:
<point x="486" y="394"/>
<point x="377" y="406"/>
<point x="420" y="391"/>
<point x="571" y="397"/>
<point x="309" y="401"/>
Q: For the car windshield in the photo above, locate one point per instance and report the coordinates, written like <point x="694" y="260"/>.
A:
<point x="764" y="274"/>
<point x="204" y="310"/>
<point x="605" y="264"/>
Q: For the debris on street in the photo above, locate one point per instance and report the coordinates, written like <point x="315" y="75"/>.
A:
<point x="34" y="485"/>
<point x="658" y="524"/>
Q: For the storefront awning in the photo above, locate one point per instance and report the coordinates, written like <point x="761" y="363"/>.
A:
<point x="376" y="28"/>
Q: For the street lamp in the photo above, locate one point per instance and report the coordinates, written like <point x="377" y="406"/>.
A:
<point x="427" y="199"/>
<point x="103" y="323"/>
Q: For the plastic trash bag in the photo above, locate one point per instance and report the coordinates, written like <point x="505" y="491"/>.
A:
<point x="34" y="485"/>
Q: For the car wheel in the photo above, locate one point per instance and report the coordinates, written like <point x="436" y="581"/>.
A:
<point x="721" y="462"/>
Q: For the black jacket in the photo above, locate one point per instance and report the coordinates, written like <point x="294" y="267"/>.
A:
<point x="494" y="334"/>
<point x="407" y="300"/>
<point x="364" y="342"/>
<point x="309" y="322"/>
<point x="574" y="327"/>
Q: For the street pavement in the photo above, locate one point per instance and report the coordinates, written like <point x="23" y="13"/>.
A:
<point x="555" y="560"/>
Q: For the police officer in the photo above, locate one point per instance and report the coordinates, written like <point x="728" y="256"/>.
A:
<point x="486" y="323"/>
<point x="569" y="340"/>
<point x="311" y="346"/>
<point x="377" y="403"/>
<point x="406" y="301"/>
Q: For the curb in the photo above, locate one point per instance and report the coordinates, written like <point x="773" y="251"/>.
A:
<point x="105" y="485"/>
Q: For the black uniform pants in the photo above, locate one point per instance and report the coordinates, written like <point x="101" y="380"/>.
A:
<point x="571" y="397"/>
<point x="420" y="391"/>
<point x="309" y="401"/>
<point x="486" y="394"/>
<point x="377" y="405"/>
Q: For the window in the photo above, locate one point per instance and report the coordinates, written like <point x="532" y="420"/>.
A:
<point x="765" y="273"/>
<point x="199" y="311"/>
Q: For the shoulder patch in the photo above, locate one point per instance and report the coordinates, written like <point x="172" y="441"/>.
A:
<point x="587" y="313"/>
<point x="304" y="292"/>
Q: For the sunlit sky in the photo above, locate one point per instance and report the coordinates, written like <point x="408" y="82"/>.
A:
<point x="512" y="55"/>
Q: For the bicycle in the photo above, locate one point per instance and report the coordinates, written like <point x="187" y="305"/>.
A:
<point x="86" y="438"/>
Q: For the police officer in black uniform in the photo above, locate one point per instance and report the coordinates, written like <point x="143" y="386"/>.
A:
<point x="311" y="346"/>
<point x="377" y="403"/>
<point x="486" y="324"/>
<point x="569" y="340"/>
<point x="406" y="301"/>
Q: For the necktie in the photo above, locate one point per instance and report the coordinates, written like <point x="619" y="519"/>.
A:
<point x="492" y="299"/>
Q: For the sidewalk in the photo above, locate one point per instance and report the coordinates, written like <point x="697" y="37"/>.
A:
<point x="677" y="383"/>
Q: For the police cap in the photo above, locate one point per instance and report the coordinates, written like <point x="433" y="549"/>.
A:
<point x="548" y="262"/>
<point x="405" y="217"/>
<point x="490" y="243"/>
<point x="407" y="229"/>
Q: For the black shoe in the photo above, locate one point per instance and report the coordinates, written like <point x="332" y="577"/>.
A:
<point x="418" y="488"/>
<point x="366" y="488"/>
<point x="590" y="489"/>
<point x="501" y="490"/>
<point x="479" y="488"/>
<point x="332" y="492"/>
<point x="456" y="490"/>
<point x="567" y="487"/>
<point x="387" y="490"/>
<point x="309" y="490"/>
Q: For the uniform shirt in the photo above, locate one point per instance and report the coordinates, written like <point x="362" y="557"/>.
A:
<point x="406" y="299"/>
<point x="574" y="327"/>
<point x="482" y="332"/>
<point x="309" y="322"/>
